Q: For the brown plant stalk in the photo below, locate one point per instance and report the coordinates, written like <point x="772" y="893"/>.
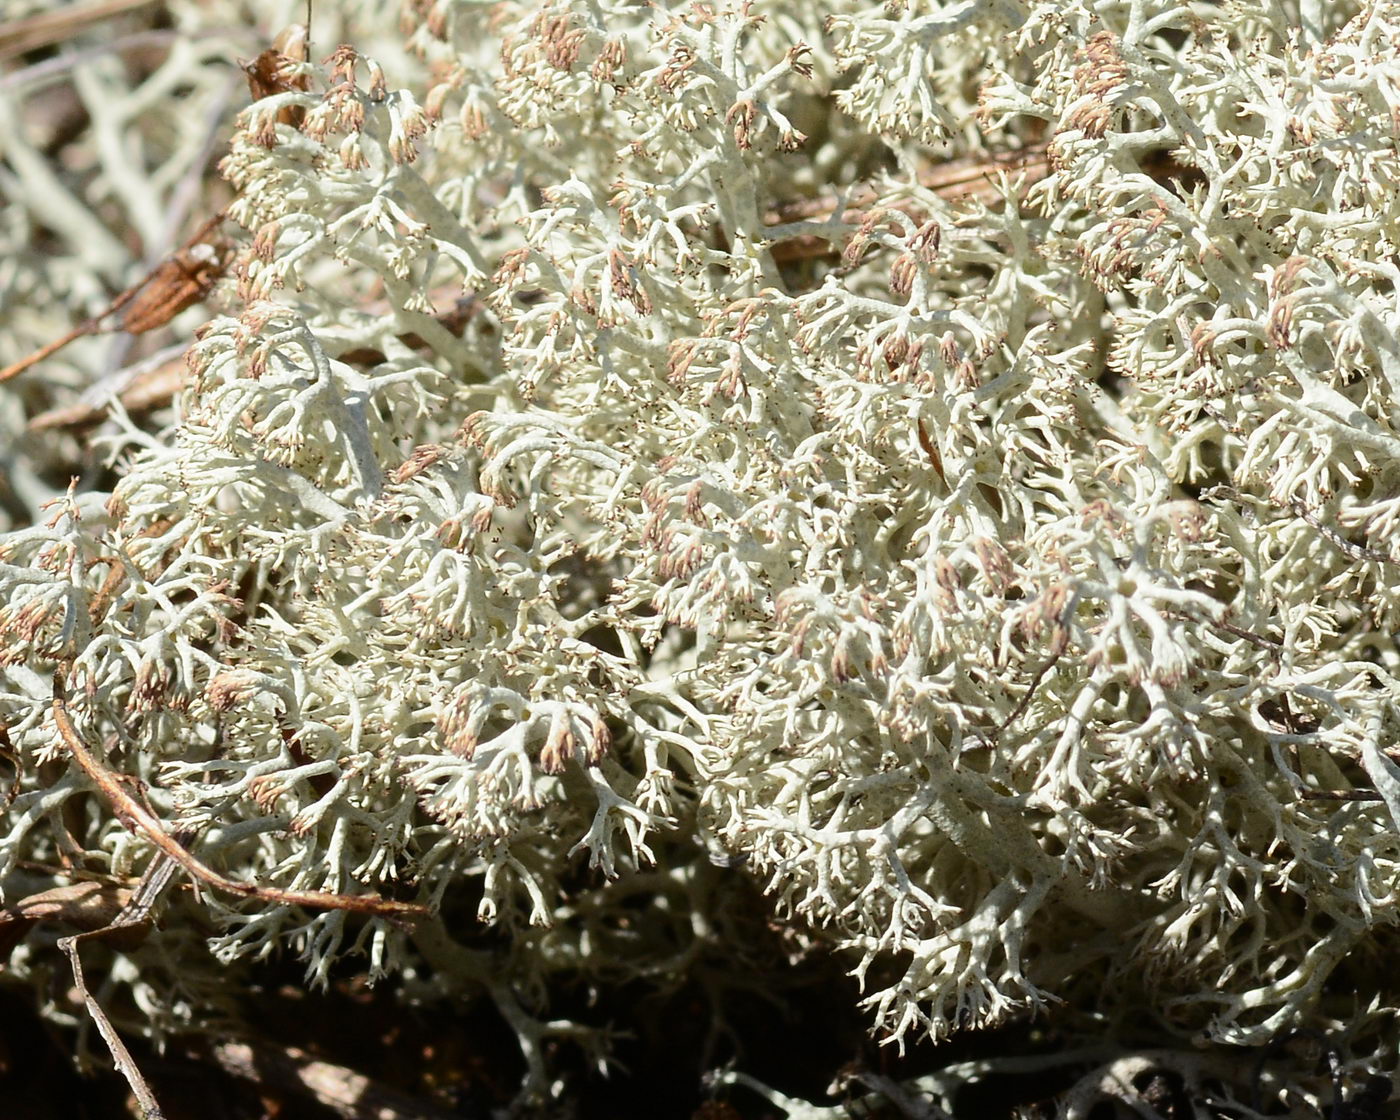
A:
<point x="137" y="818"/>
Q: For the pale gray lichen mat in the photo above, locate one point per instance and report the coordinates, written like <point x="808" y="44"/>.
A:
<point x="625" y="458"/>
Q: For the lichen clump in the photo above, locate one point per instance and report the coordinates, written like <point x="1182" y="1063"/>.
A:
<point x="625" y="448"/>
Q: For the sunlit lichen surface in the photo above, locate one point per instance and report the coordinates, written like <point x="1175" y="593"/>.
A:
<point x="619" y="463"/>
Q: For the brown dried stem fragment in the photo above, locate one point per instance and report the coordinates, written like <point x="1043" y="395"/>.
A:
<point x="118" y="574"/>
<point x="44" y="29"/>
<point x="125" y="931"/>
<point x="277" y="70"/>
<point x="180" y="281"/>
<point x="931" y="450"/>
<point x="970" y="177"/>
<point x="177" y="282"/>
<point x="1339" y="795"/>
<point x="157" y="386"/>
<point x="137" y="818"/>
<point x="1059" y="642"/>
<point x="153" y="385"/>
<point x="121" y="1056"/>
<point x="959" y="178"/>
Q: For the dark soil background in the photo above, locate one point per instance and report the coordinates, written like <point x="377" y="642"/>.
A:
<point x="796" y="1028"/>
<point x="435" y="1063"/>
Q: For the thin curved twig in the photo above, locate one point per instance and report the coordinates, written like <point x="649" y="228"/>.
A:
<point x="138" y="818"/>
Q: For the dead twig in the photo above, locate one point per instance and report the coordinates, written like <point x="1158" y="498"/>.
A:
<point x="970" y="177"/>
<point x="931" y="450"/>
<point x="86" y="905"/>
<point x="973" y="176"/>
<point x="1355" y="551"/>
<point x="1059" y="642"/>
<point x="19" y="36"/>
<point x="148" y="384"/>
<point x="1339" y="795"/>
<point x="179" y="281"/>
<point x="138" y="818"/>
<point x="121" y="1056"/>
<point x="133" y="921"/>
<point x="1250" y="636"/>
<point x="118" y="573"/>
<point x="154" y="382"/>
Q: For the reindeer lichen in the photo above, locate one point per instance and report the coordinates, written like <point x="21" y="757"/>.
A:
<point x="622" y="461"/>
